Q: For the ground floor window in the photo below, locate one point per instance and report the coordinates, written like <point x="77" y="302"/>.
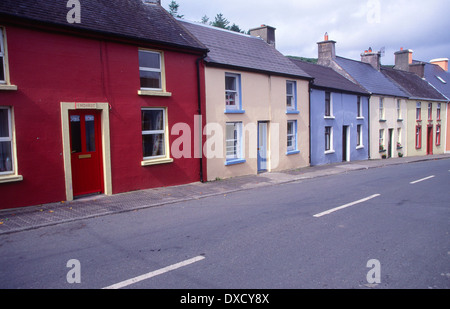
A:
<point x="154" y="135"/>
<point x="233" y="140"/>
<point x="381" y="140"/>
<point x="438" y="135"/>
<point x="359" y="135"/>
<point x="328" y="138"/>
<point x="291" y="135"/>
<point x="6" y="142"/>
<point x="418" y="137"/>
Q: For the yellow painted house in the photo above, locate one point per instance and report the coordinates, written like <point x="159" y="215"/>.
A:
<point x="257" y="104"/>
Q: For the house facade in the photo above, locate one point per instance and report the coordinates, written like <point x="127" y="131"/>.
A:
<point x="387" y="104"/>
<point x="257" y="105"/>
<point x="426" y="113"/>
<point x="339" y="116"/>
<point x="95" y="109"/>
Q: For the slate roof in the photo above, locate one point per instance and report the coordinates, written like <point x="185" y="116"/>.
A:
<point x="416" y="87"/>
<point x="325" y="77"/>
<point x="369" y="78"/>
<point x="432" y="71"/>
<point x="121" y="18"/>
<point x="240" y="51"/>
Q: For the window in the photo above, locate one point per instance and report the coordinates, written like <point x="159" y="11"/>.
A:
<point x="441" y="79"/>
<point x="151" y="70"/>
<point x="399" y="109"/>
<point x="438" y="112"/>
<point x="291" y="96"/>
<point x="438" y="135"/>
<point x="359" y="136"/>
<point x="399" y="138"/>
<point x="291" y="136"/>
<point x="359" y="109"/>
<point x="233" y="142"/>
<point x="381" y="108"/>
<point x="430" y="111"/>
<point x="7" y="158"/>
<point x="418" y="111"/>
<point x="328" y="139"/>
<point x="328" y="105"/>
<point x="418" y="137"/>
<point x="381" y="140"/>
<point x="154" y="134"/>
<point x="233" y="92"/>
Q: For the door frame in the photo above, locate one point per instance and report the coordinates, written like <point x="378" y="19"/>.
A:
<point x="430" y="139"/>
<point x="105" y="140"/>
<point x="345" y="143"/>
<point x="261" y="170"/>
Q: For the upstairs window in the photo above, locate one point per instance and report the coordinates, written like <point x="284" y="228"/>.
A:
<point x="418" y="111"/>
<point x="438" y="112"/>
<point x="359" y="109"/>
<point x="291" y="96"/>
<point x="381" y="109"/>
<point x="150" y="70"/>
<point x="430" y="111"/>
<point x="2" y="59"/>
<point x="328" y="105"/>
<point x="232" y="92"/>
<point x="399" y="109"/>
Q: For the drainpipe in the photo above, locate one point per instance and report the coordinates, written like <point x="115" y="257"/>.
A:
<point x="199" y="98"/>
<point x="311" y="82"/>
<point x="368" y="125"/>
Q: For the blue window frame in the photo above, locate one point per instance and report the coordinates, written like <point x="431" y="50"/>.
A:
<point x="292" y="143"/>
<point x="233" y="94"/>
<point x="291" y="97"/>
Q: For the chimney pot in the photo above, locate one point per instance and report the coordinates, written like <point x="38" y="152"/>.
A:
<point x="326" y="36"/>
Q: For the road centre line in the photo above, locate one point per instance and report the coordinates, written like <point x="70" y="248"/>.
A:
<point x="153" y="273"/>
<point x="423" y="179"/>
<point x="346" y="205"/>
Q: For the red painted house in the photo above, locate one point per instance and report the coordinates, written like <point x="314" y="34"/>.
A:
<point x="93" y="97"/>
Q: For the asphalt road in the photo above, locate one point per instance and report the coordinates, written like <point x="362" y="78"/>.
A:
<point x="314" y="234"/>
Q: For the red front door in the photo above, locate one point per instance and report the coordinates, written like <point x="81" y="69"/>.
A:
<point x="86" y="149"/>
<point x="429" y="140"/>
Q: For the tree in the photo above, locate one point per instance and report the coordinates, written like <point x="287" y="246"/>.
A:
<point x="236" y="28"/>
<point x="205" y="19"/>
<point x="173" y="9"/>
<point x="220" y="22"/>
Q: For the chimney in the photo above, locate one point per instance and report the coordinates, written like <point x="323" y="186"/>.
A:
<point x="267" y="33"/>
<point x="158" y="2"/>
<point x="418" y="68"/>
<point x="327" y="51"/>
<point x="372" y="58"/>
<point x="403" y="59"/>
<point x="442" y="62"/>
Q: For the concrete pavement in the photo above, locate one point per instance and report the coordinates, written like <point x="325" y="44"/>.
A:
<point x="26" y="218"/>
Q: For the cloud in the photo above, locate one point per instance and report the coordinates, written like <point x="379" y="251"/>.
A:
<point x="356" y="25"/>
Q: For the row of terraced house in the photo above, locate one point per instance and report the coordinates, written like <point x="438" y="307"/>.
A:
<point x="130" y="98"/>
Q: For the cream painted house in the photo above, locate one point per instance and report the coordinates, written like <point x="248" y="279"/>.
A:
<point x="257" y="104"/>
<point x="426" y="113"/>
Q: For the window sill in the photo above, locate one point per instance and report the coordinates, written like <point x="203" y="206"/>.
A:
<point x="234" y="161"/>
<point x="382" y="120"/>
<point x="329" y="117"/>
<point x="399" y="120"/>
<point x="10" y="178"/>
<point x="292" y="112"/>
<point x="292" y="152"/>
<point x="8" y="87"/>
<point x="156" y="161"/>
<point x="359" y="147"/>
<point x="155" y="93"/>
<point x="329" y="152"/>
<point x="382" y="151"/>
<point x="360" y="118"/>
<point x="234" y="111"/>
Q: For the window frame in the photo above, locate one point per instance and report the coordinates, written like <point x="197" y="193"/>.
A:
<point x="237" y="107"/>
<point x="418" y="137"/>
<point x="5" y="84"/>
<point x="10" y="176"/>
<point x="419" y="111"/>
<point x="293" y="109"/>
<point x="438" y="112"/>
<point x="293" y="149"/>
<point x="430" y="111"/>
<point x="162" y="91"/>
<point x="381" y="110"/>
<point x="359" y="108"/>
<point x="150" y="160"/>
<point x="329" y="147"/>
<point x="399" y="110"/>
<point x="359" y="136"/>
<point x="237" y="156"/>
<point x="438" y="135"/>
<point x="381" y="140"/>
<point x="328" y="112"/>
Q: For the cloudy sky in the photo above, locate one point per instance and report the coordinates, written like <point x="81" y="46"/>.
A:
<point x="356" y="25"/>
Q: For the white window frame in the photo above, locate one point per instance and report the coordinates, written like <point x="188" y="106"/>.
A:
<point x="292" y="97"/>
<point x="438" y="111"/>
<point x="359" y="136"/>
<point x="359" y="108"/>
<point x="150" y="160"/>
<point x="381" y="140"/>
<point x="381" y="107"/>
<point x="399" y="109"/>
<point x="237" y="92"/>
<point x="293" y="135"/>
<point x="438" y="135"/>
<point x="236" y="139"/>
<point x="156" y="70"/>
<point x="329" y="140"/>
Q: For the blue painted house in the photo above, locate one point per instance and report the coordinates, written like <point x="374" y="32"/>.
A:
<point x="339" y="116"/>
